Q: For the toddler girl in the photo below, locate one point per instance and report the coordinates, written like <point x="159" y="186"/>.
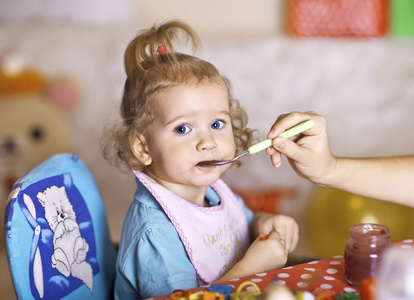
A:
<point x="185" y="227"/>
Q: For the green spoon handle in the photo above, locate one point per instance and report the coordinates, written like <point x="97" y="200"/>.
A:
<point x="287" y="134"/>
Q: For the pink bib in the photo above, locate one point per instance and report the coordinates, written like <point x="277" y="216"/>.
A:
<point x="215" y="238"/>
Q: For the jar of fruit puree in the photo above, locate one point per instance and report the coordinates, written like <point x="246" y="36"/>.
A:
<point x="363" y="251"/>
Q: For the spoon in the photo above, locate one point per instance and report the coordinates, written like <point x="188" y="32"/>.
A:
<point x="261" y="145"/>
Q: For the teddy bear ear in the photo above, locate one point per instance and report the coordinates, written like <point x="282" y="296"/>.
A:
<point x="64" y="94"/>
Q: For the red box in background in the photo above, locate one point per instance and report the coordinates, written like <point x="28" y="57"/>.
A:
<point x="265" y="200"/>
<point x="337" y="18"/>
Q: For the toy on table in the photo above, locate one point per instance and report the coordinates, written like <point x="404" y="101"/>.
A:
<point x="248" y="294"/>
<point x="223" y="289"/>
<point x="348" y="296"/>
<point x="368" y="289"/>
<point x="278" y="292"/>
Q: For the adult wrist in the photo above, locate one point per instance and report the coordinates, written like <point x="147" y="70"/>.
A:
<point x="330" y="174"/>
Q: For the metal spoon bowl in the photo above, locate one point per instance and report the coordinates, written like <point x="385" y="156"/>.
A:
<point x="221" y="162"/>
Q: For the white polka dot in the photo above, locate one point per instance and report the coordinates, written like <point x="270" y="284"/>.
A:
<point x="349" y="289"/>
<point x="406" y="246"/>
<point x="338" y="256"/>
<point x="261" y="274"/>
<point x="302" y="284"/>
<point x="287" y="268"/>
<point x="256" y="279"/>
<point x="408" y="241"/>
<point x="310" y="269"/>
<point x="235" y="279"/>
<point x="283" y="275"/>
<point x="335" y="262"/>
<point x="313" y="262"/>
<point x="331" y="271"/>
<point x="326" y="286"/>
<point x="306" y="276"/>
<point x="280" y="281"/>
<point x="328" y="278"/>
<point x="251" y="288"/>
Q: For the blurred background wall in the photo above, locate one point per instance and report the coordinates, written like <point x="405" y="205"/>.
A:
<point x="362" y="81"/>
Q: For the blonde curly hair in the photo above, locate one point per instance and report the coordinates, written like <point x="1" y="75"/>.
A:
<point x="148" y="72"/>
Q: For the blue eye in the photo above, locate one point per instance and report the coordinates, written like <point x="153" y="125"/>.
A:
<point x="217" y="124"/>
<point x="182" y="129"/>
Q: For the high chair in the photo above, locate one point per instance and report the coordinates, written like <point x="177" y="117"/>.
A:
<point x="57" y="238"/>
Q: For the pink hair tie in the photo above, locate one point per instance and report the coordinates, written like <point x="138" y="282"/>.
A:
<point x="162" y="50"/>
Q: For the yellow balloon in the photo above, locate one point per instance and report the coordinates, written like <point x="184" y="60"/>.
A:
<point x="333" y="212"/>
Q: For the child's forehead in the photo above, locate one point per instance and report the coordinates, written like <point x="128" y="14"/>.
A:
<point x="190" y="99"/>
<point x="191" y="93"/>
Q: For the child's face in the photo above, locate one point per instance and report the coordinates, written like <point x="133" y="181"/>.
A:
<point x="191" y="124"/>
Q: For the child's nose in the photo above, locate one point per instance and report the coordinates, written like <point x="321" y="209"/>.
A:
<point x="206" y="142"/>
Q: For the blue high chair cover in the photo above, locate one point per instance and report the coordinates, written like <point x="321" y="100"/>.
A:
<point x="57" y="238"/>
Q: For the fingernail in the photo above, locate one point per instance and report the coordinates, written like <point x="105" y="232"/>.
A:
<point x="279" y="144"/>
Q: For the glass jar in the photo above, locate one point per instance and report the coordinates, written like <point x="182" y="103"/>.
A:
<point x="363" y="251"/>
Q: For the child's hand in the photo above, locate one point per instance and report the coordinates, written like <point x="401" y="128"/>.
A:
<point x="270" y="247"/>
<point x="309" y="154"/>
<point x="265" y="254"/>
<point x="287" y="228"/>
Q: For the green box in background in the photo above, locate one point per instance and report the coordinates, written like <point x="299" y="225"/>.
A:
<point x="402" y="18"/>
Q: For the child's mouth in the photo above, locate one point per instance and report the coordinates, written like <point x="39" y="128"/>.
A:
<point x="205" y="163"/>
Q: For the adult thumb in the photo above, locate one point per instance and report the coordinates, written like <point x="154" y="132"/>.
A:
<point x="287" y="147"/>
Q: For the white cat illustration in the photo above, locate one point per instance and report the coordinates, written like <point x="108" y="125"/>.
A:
<point x="70" y="248"/>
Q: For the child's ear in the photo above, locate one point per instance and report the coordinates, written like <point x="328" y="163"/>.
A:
<point x="139" y="148"/>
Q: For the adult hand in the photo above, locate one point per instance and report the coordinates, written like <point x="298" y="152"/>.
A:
<point x="308" y="153"/>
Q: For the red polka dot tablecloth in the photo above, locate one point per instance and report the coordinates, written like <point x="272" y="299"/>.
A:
<point x="325" y="274"/>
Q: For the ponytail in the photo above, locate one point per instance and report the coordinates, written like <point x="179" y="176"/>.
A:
<point x="142" y="52"/>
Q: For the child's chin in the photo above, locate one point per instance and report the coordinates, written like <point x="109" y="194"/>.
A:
<point x="210" y="180"/>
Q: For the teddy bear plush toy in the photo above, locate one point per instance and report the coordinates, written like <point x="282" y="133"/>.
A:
<point x="34" y="122"/>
